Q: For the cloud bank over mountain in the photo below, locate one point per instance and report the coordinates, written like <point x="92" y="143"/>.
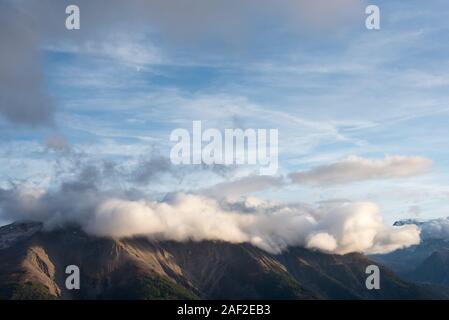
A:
<point x="338" y="228"/>
<point x="350" y="227"/>
<point x="95" y="199"/>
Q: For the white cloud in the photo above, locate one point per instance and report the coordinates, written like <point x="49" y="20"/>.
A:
<point x="355" y="227"/>
<point x="339" y="228"/>
<point x="322" y="241"/>
<point x="435" y="228"/>
<point x="356" y="168"/>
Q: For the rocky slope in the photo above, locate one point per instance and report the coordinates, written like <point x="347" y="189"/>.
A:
<point x="33" y="262"/>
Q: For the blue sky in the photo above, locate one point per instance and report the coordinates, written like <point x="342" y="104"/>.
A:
<point x="331" y="87"/>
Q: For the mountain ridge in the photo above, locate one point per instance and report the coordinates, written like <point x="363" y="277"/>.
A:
<point x="32" y="263"/>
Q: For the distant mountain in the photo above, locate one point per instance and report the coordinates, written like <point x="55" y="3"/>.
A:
<point x="427" y="262"/>
<point x="434" y="269"/>
<point x="405" y="261"/>
<point x="404" y="222"/>
<point x="33" y="262"/>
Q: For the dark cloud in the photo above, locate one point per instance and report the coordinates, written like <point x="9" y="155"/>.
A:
<point x="150" y="169"/>
<point x="23" y="93"/>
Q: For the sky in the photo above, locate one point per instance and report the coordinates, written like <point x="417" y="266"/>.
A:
<point x="361" y="114"/>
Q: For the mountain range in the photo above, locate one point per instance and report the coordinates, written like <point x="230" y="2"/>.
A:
<point x="425" y="263"/>
<point x="33" y="263"/>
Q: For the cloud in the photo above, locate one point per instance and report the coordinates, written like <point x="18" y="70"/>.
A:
<point x="355" y="168"/>
<point x="322" y="241"/>
<point x="116" y="211"/>
<point x="430" y="229"/>
<point x="150" y="169"/>
<point x="435" y="228"/>
<point x="120" y="32"/>
<point x="23" y="94"/>
<point x="321" y="15"/>
<point x="57" y="142"/>
<point x="128" y="49"/>
<point x="340" y="228"/>
<point x="239" y="187"/>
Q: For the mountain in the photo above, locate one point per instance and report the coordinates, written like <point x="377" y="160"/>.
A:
<point x="405" y="261"/>
<point x="33" y="263"/>
<point x="427" y="262"/>
<point x="434" y="269"/>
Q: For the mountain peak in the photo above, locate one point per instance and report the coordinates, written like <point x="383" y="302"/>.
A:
<point x="403" y="222"/>
<point x="17" y="231"/>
